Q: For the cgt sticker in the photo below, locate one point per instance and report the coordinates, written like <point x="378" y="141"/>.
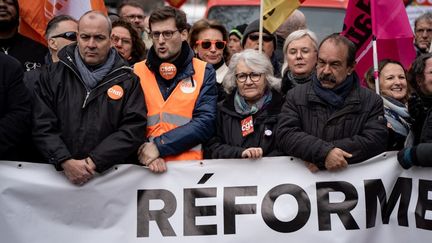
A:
<point x="115" y="92"/>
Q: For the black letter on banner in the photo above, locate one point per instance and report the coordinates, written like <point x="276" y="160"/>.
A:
<point x="231" y="209"/>
<point x="160" y="216"/>
<point x="342" y="209"/>
<point x="191" y="211"/>
<point x="374" y="189"/>
<point x="364" y="26"/>
<point x="423" y="204"/>
<point x="365" y="7"/>
<point x="304" y="208"/>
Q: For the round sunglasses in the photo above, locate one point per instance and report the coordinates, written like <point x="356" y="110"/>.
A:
<point x="206" y="44"/>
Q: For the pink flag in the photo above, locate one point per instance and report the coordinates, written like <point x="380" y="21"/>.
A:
<point x="387" y="20"/>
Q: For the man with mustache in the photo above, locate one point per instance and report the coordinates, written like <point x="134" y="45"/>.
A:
<point x="30" y="53"/>
<point x="332" y="121"/>
<point x="88" y="108"/>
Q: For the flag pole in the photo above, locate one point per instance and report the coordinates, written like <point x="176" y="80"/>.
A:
<point x="375" y="65"/>
<point x="261" y="26"/>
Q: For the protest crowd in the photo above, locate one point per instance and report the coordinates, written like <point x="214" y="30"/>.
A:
<point x="145" y="87"/>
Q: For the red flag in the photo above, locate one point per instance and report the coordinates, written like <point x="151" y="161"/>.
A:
<point x="387" y="20"/>
<point x="176" y="3"/>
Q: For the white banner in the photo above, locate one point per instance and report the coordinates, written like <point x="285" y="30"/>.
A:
<point x="267" y="200"/>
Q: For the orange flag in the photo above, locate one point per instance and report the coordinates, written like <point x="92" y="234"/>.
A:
<point x="35" y="14"/>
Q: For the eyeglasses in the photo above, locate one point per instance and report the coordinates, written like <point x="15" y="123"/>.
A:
<point x="71" y="35"/>
<point x="242" y="77"/>
<point x="206" y="44"/>
<point x="132" y="17"/>
<point x="124" y="41"/>
<point x="167" y="34"/>
<point x="266" y="38"/>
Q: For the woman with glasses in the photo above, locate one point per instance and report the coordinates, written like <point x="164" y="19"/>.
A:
<point x="208" y="39"/>
<point x="126" y="41"/>
<point x="246" y="119"/>
<point x="300" y="50"/>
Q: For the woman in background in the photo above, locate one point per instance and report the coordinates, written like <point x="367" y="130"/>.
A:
<point x="394" y="91"/>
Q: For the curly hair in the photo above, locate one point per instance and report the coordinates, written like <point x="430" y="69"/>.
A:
<point x="139" y="51"/>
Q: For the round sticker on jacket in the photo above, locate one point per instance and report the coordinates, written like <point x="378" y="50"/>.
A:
<point x="167" y="70"/>
<point x="188" y="85"/>
<point x="115" y="92"/>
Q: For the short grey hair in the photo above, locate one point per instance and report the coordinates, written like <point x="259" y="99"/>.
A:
<point x="298" y="34"/>
<point x="259" y="62"/>
<point x="426" y="16"/>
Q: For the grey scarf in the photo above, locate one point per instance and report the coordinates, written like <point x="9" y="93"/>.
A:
<point x="92" y="78"/>
<point x="243" y="108"/>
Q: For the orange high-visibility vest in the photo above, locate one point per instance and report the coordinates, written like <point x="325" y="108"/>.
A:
<point x="165" y="115"/>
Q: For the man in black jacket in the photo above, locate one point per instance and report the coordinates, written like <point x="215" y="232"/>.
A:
<point x="30" y="53"/>
<point x="89" y="112"/>
<point x="14" y="109"/>
<point x="332" y="121"/>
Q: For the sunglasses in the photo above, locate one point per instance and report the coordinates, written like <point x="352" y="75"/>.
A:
<point x="71" y="35"/>
<point x="266" y="38"/>
<point x="206" y="44"/>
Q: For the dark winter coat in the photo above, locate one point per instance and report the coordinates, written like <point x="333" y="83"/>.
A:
<point x="15" y="110"/>
<point x="229" y="142"/>
<point x="73" y="122"/>
<point x="308" y="129"/>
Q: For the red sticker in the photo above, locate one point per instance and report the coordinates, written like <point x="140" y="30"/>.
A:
<point x="247" y="126"/>
<point x="167" y="70"/>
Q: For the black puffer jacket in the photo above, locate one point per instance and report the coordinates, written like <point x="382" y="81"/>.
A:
<point x="229" y="142"/>
<point x="71" y="122"/>
<point x="309" y="130"/>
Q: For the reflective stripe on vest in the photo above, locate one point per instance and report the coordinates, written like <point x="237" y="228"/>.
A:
<point x="165" y="115"/>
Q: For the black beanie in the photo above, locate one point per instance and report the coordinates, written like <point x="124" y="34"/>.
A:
<point x="254" y="27"/>
<point x="238" y="31"/>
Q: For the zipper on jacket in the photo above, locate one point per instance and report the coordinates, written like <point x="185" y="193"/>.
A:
<point x="82" y="81"/>
<point x="85" y="99"/>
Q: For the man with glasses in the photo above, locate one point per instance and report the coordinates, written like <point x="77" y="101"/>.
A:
<point x="88" y="113"/>
<point x="133" y="11"/>
<point x="251" y="40"/>
<point x="30" y="53"/>
<point x="423" y="33"/>
<point x="180" y="93"/>
<point x="331" y="121"/>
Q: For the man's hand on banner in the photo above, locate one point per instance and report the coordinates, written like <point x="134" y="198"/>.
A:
<point x="335" y="159"/>
<point x="148" y="155"/>
<point x="312" y="167"/>
<point x="157" y="166"/>
<point x="79" y="171"/>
